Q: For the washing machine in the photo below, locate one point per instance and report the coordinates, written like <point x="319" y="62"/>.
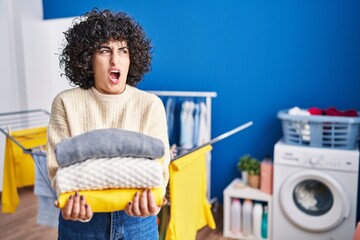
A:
<point x="315" y="193"/>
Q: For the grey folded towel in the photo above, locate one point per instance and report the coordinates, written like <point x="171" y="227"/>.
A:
<point x="107" y="143"/>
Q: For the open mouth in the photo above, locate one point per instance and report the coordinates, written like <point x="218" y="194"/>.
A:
<point x="114" y="76"/>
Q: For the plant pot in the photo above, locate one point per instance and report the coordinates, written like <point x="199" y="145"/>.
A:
<point x="244" y="177"/>
<point x="254" y="181"/>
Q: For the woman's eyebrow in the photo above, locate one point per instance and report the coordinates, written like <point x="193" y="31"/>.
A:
<point x="104" y="46"/>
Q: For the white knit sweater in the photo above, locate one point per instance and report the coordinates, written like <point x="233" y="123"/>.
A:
<point x="76" y="111"/>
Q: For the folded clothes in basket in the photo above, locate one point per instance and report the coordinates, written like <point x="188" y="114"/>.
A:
<point x="110" y="142"/>
<point x="302" y="128"/>
<point x="336" y="129"/>
<point x="331" y="111"/>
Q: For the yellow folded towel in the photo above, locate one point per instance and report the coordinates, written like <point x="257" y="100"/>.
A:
<point x="110" y="200"/>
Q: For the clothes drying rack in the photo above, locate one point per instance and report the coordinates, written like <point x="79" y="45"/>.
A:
<point x="19" y="120"/>
<point x="166" y="214"/>
<point x="207" y="96"/>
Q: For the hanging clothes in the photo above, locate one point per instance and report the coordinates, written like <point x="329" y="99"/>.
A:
<point x="190" y="209"/>
<point x="19" y="166"/>
<point x="187" y="125"/>
<point x="204" y="126"/>
<point x="186" y="133"/>
<point x="47" y="213"/>
<point x="197" y="112"/>
<point x="188" y="122"/>
<point x="170" y="117"/>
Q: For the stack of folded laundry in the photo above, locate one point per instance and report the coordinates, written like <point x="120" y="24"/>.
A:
<point x="108" y="166"/>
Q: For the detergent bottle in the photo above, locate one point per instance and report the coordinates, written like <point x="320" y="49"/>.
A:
<point x="235" y="216"/>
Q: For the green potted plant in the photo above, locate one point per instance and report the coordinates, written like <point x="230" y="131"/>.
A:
<point x="254" y="173"/>
<point x="250" y="170"/>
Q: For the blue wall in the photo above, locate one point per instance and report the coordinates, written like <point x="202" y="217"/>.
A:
<point x="260" y="56"/>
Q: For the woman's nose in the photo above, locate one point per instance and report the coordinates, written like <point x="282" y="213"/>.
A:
<point x="114" y="58"/>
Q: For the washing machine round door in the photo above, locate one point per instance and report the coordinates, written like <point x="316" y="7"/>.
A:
<point x="314" y="201"/>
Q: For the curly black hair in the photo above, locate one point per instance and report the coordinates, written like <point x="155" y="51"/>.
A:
<point x="97" y="27"/>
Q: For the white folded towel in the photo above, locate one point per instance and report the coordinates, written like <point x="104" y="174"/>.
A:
<point x="104" y="173"/>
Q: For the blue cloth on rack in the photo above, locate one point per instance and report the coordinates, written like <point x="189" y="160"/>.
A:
<point x="170" y="117"/>
<point x="109" y="142"/>
<point x="48" y="214"/>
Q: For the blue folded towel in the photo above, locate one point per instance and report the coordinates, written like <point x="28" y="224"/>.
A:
<point x="107" y="143"/>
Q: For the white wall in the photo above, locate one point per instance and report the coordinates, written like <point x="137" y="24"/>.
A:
<point x="41" y="42"/>
<point x="9" y="97"/>
<point x="30" y="74"/>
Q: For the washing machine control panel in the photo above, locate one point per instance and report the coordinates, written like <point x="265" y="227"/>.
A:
<point x="321" y="162"/>
<point x="316" y="160"/>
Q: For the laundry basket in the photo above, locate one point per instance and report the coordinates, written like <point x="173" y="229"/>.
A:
<point x="320" y="131"/>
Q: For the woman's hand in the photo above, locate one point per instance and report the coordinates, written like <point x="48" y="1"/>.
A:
<point x="144" y="205"/>
<point x="76" y="208"/>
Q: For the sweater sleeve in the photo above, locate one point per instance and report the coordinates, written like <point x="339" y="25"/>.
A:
<point x="158" y="128"/>
<point x="57" y="130"/>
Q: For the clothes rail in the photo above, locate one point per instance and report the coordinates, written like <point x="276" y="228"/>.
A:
<point x="206" y="95"/>
<point x="218" y="138"/>
<point x="184" y="93"/>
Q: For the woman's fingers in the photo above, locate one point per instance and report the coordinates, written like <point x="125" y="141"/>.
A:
<point x="144" y="204"/>
<point x="82" y="213"/>
<point x="76" y="206"/>
<point x="135" y="205"/>
<point x="144" y="208"/>
<point x="128" y="209"/>
<point x="152" y="207"/>
<point x="139" y="205"/>
<point x="67" y="210"/>
<point x="89" y="212"/>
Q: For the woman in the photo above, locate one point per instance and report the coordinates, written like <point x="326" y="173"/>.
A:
<point x="106" y="55"/>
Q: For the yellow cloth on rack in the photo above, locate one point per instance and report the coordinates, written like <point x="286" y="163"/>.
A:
<point x="19" y="166"/>
<point x="189" y="207"/>
<point x="110" y="200"/>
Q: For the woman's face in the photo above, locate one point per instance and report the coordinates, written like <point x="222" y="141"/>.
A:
<point x="111" y="65"/>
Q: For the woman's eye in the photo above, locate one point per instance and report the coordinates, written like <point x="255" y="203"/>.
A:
<point x="104" y="51"/>
<point x="123" y="51"/>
